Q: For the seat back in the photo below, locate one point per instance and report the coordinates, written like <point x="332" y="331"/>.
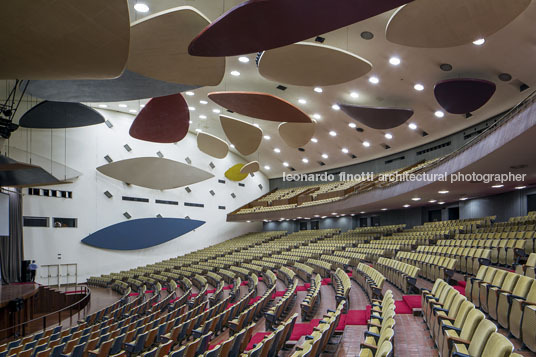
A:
<point x="471" y="322"/>
<point x="482" y="333"/>
<point x="498" y="346"/>
<point x="385" y="350"/>
<point x="522" y="286"/>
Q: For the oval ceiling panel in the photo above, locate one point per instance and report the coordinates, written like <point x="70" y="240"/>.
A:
<point x="159" y="48"/>
<point x="244" y="136"/>
<point x="260" y="105"/>
<point x="64" y="39"/>
<point x="129" y="86"/>
<point x="162" y="120"/>
<point x="377" y="118"/>
<point x="212" y="145"/>
<point x="440" y="24"/>
<point x="258" y="25"/>
<point x="154" y="172"/>
<point x="463" y="95"/>
<point x="235" y="174"/>
<point x="297" y="135"/>
<point x="141" y="233"/>
<point x="18" y="174"/>
<point x="60" y="115"/>
<point x="250" y="168"/>
<point x="311" y="64"/>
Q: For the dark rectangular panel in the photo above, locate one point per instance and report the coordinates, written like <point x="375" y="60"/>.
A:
<point x="35" y="221"/>
<point x="189" y="204"/>
<point x="135" y="199"/>
<point x="163" y="202"/>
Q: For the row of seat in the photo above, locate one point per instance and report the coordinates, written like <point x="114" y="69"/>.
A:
<point x="312" y="299"/>
<point x="468" y="259"/>
<point x="430" y="267"/>
<point x="370" y="280"/>
<point x="281" y="307"/>
<point x="402" y="275"/>
<point x="503" y="251"/>
<point x="342" y="285"/>
<point x="272" y="343"/>
<point x="379" y="337"/>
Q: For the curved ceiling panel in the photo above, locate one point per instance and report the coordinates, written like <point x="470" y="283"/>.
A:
<point x="311" y="64"/>
<point x="235" y="173"/>
<point x="464" y="95"/>
<point x="258" y="25"/>
<point x="129" y="86"/>
<point x="244" y="136"/>
<point x="440" y="24"/>
<point x="250" y="168"/>
<point x="141" y="233"/>
<point x="18" y="174"/>
<point x="159" y="48"/>
<point x="162" y="120"/>
<point x="59" y="115"/>
<point x="64" y="39"/>
<point x="154" y="172"/>
<point x="297" y="135"/>
<point x="377" y="118"/>
<point x="260" y="105"/>
<point x="212" y="145"/>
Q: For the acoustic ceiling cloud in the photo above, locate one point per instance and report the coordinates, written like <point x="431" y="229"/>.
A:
<point x="59" y="115"/>
<point x="244" y="136"/>
<point x="250" y="167"/>
<point x="234" y="173"/>
<point x="377" y="117"/>
<point x="297" y="135"/>
<point x="463" y="95"/>
<point x="17" y="174"/>
<point x="212" y="145"/>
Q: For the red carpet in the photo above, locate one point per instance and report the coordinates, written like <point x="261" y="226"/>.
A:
<point x="326" y="281"/>
<point x="193" y="295"/>
<point x="229" y="305"/>
<point x="301" y="288"/>
<point x="413" y="301"/>
<point x="402" y="308"/>
<point x="342" y="324"/>
<point x="356" y="317"/>
<point x="256" y="338"/>
<point x="349" y="274"/>
<point x="212" y="291"/>
<point x="133" y="294"/>
<point x="303" y="329"/>
<point x="228" y="287"/>
<point x="461" y="283"/>
<point x="278" y="293"/>
<point x="254" y="300"/>
<point x="244" y="283"/>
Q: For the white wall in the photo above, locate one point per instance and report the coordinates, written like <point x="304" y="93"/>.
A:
<point x="83" y="149"/>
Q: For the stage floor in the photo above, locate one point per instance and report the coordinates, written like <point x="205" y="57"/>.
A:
<point x="13" y="291"/>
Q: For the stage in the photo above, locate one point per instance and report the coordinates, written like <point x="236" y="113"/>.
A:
<point x="17" y="290"/>
<point x="10" y="314"/>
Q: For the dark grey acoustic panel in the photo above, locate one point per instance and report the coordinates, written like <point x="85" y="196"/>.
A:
<point x="16" y="174"/>
<point x="59" y="115"/>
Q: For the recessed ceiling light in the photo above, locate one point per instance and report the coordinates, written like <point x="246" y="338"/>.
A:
<point x="198" y="130"/>
<point x="432" y="201"/>
<point x="189" y="93"/>
<point x="406" y="206"/>
<point x="302" y="101"/>
<point x="416" y="199"/>
<point x="285" y="164"/>
<point x="362" y="212"/>
<point x="497" y="186"/>
<point x="412" y="126"/>
<point x="142" y="105"/>
<point x="133" y="111"/>
<point x="317" y="116"/>
<point x="352" y="125"/>
<point x="204" y="102"/>
<point x="243" y="59"/>
<point x="443" y="192"/>
<point x="384" y="209"/>
<point x="267" y="137"/>
<point x="191" y="109"/>
<point x="418" y="87"/>
<point x="235" y="73"/>
<point x="232" y="146"/>
<point x="374" y="80"/>
<point x="103" y="106"/>
<point x="318" y="90"/>
<point x="216" y="111"/>
<point x="335" y="107"/>
<point x="202" y="116"/>
<point x="441" y="203"/>
<point x="520" y="187"/>
<point x="314" y="140"/>
<point x="305" y="160"/>
<point x="354" y="95"/>
<point x="395" y="61"/>
<point x="333" y="133"/>
<point x="334" y="213"/>
<point x="141" y="7"/>
<point x="266" y="167"/>
<point x="190" y="122"/>
<point x="479" y="42"/>
<point x="325" y="156"/>
<point x="388" y="136"/>
<point x="277" y="150"/>
<point x="122" y="105"/>
<point x="345" y="150"/>
<point x="439" y="114"/>
<point x="366" y="144"/>
<point x="463" y="199"/>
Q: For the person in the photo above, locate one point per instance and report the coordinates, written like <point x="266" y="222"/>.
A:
<point x="33" y="270"/>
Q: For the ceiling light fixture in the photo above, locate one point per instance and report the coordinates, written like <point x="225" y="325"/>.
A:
<point x="317" y="116"/>
<point x="441" y="203"/>
<point x="198" y="130"/>
<point x="325" y="156"/>
<point x="388" y="136"/>
<point x="479" y="42"/>
<point x="243" y="59"/>
<point x="314" y="140"/>
<point x="266" y="167"/>
<point x="103" y="106"/>
<point x="318" y="90"/>
<point x="277" y="150"/>
<point x="216" y="111"/>
<point x="384" y="209"/>
<point x="285" y="164"/>
<point x="191" y="109"/>
<point x="354" y="95"/>
<point x="345" y="150"/>
<point x="133" y="111"/>
<point x="432" y="201"/>
<point x="302" y="101"/>
<point x="412" y="126"/>
<point x="202" y="116"/>
<point x="439" y="114"/>
<point x="232" y="146"/>
<point x="204" y="102"/>
<point x="335" y="107"/>
<point x="463" y="199"/>
<point x="141" y="7"/>
<point x="267" y="137"/>
<point x="395" y="61"/>
<point x="406" y="206"/>
<point x="416" y="199"/>
<point x="366" y="144"/>
<point x="352" y="125"/>
<point x="256" y="125"/>
<point x="122" y="105"/>
<point x="418" y="87"/>
<point x="374" y="80"/>
<point x="189" y="93"/>
<point x="235" y="73"/>
<point x="333" y="133"/>
<point x="497" y="186"/>
<point x="443" y="192"/>
<point x="520" y="187"/>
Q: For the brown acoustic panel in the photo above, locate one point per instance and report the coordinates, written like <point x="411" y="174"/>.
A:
<point x="259" y="25"/>
<point x="377" y="118"/>
<point x="311" y="64"/>
<point x="162" y="120"/>
<point x="297" y="135"/>
<point x="245" y="137"/>
<point x="250" y="168"/>
<point x="463" y="95"/>
<point x="212" y="145"/>
<point x="159" y="49"/>
<point x="260" y="105"/>
<point x="440" y="23"/>
<point x="63" y="39"/>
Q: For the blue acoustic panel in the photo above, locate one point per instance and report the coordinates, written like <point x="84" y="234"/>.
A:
<point x="59" y="115"/>
<point x="141" y="233"/>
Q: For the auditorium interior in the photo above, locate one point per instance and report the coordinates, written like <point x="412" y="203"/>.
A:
<point x="267" y="178"/>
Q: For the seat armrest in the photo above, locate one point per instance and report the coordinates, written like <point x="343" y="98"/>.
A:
<point x="366" y="345"/>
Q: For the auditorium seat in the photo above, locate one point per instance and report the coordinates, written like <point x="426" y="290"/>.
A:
<point x="521" y="289"/>
<point x="454" y="334"/>
<point x="494" y="292"/>
<point x="484" y="287"/>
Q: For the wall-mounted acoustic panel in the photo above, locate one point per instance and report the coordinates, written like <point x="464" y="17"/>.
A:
<point x="141" y="233"/>
<point x="60" y="115"/>
<point x="463" y="95"/>
<point x="234" y="173"/>
<point x="212" y="145"/>
<point x="377" y="118"/>
<point x="311" y="64"/>
<point x="440" y="24"/>
<point x="297" y="135"/>
<point x="244" y="136"/>
<point x="129" y="86"/>
<point x="16" y="174"/>
<point x="154" y="172"/>
<point x="260" y="105"/>
<point x="159" y="48"/>
<point x="258" y="25"/>
<point x="250" y="168"/>
<point x="162" y="120"/>
<point x="64" y="39"/>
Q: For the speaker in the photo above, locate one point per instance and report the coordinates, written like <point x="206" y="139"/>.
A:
<point x="25" y="271"/>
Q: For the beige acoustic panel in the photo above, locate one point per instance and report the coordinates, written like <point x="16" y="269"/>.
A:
<point x="250" y="167"/>
<point x="441" y="23"/>
<point x="154" y="172"/>
<point x="212" y="145"/>
<point x="159" y="48"/>
<point x="311" y="64"/>
<point x="244" y="136"/>
<point x="63" y="39"/>
<point x="297" y="135"/>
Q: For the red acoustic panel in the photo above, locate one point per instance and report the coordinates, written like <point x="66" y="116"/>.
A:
<point x="163" y="120"/>
<point x="463" y="95"/>
<point x="258" y="25"/>
<point x="260" y="105"/>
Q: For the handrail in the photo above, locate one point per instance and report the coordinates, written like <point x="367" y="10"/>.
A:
<point x="22" y="325"/>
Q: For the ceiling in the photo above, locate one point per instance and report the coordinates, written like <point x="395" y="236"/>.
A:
<point x="511" y="50"/>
